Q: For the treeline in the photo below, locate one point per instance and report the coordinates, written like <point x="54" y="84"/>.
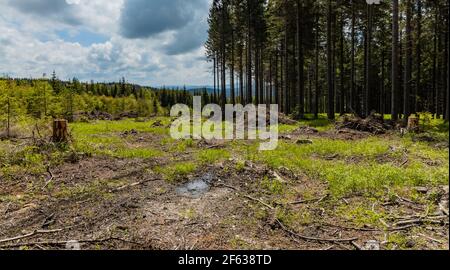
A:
<point x="52" y="98"/>
<point x="332" y="56"/>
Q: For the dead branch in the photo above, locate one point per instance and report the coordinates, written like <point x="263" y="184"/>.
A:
<point x="431" y="239"/>
<point x="60" y="243"/>
<point x="309" y="238"/>
<point x="132" y="185"/>
<point x="420" y="221"/>
<point x="37" y="232"/>
<point x="315" y="200"/>
<point x="259" y="201"/>
<point x="49" y="180"/>
<point x="390" y="229"/>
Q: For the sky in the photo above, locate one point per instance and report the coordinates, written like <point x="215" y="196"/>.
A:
<point x="149" y="42"/>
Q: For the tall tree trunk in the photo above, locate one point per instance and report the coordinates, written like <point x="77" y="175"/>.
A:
<point x="300" y="61"/>
<point x="249" y="56"/>
<point x="341" y="67"/>
<point x="408" y="65"/>
<point x="282" y="82"/>
<point x="353" y="71"/>
<point x="286" y="70"/>
<point x="382" y="85"/>
<point x="269" y="95"/>
<point x="232" y="88"/>
<point x="276" y="94"/>
<point x="395" y="56"/>
<point x="316" y="70"/>
<point x="417" y="92"/>
<point x="257" y="97"/>
<point x="330" y="61"/>
<point x="368" y="63"/>
<point x="447" y="101"/>
<point x="223" y="99"/>
<point x="215" y="86"/>
<point x="261" y="76"/>
<point x="241" y="76"/>
<point x="435" y="68"/>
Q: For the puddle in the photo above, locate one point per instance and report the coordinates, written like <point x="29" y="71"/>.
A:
<point x="197" y="187"/>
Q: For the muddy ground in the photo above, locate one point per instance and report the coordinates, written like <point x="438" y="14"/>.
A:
<point x="101" y="202"/>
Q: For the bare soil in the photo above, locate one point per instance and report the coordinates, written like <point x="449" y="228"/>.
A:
<point x="112" y="203"/>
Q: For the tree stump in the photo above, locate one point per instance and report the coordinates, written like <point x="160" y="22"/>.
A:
<point x="60" y="131"/>
<point x="413" y="124"/>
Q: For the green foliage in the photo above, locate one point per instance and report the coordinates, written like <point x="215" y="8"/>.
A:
<point x="46" y="98"/>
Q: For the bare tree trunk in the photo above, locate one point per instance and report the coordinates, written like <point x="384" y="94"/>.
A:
<point x="408" y="66"/>
<point x="300" y="61"/>
<point x="368" y="79"/>
<point x="241" y="76"/>
<point x="382" y="85"/>
<point x="233" y="93"/>
<point x="261" y="76"/>
<point x="286" y="70"/>
<point x="269" y="94"/>
<point x="448" y="64"/>
<point x="249" y="58"/>
<point x="395" y="54"/>
<point x="257" y="101"/>
<point x="276" y="94"/>
<point x="434" y="71"/>
<point x="215" y="72"/>
<point x="352" y="86"/>
<point x="330" y="61"/>
<point x="316" y="72"/>
<point x="282" y="82"/>
<point x="341" y="67"/>
<point x="418" y="56"/>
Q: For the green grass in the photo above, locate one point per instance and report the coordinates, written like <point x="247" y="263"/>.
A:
<point x="102" y="138"/>
<point x="211" y="156"/>
<point x="366" y="175"/>
<point x="108" y="127"/>
<point x="177" y="172"/>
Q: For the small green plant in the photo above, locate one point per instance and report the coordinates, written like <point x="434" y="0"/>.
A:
<point x="273" y="186"/>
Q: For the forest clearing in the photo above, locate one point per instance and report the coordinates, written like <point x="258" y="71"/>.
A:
<point x="127" y="185"/>
<point x="358" y="94"/>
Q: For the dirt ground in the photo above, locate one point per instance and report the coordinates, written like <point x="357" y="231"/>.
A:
<point x="101" y="202"/>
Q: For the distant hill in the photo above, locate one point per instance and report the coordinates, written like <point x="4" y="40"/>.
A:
<point x="196" y="88"/>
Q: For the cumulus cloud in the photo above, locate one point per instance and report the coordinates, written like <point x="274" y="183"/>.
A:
<point x="185" y="20"/>
<point x="143" y="18"/>
<point x="168" y="53"/>
<point x="56" y="9"/>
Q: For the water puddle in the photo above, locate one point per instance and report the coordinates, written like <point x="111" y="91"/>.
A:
<point x="197" y="187"/>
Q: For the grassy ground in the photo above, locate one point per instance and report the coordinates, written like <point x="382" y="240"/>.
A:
<point x="359" y="186"/>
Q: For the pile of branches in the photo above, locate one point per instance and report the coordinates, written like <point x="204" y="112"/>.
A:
<point x="373" y="124"/>
<point x="94" y="115"/>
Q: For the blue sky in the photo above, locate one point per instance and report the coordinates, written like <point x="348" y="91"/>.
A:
<point x="84" y="37"/>
<point x="150" y="42"/>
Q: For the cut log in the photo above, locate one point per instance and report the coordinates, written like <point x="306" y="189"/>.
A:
<point x="60" y="134"/>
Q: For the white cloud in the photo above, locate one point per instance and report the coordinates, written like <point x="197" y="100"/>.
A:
<point x="31" y="45"/>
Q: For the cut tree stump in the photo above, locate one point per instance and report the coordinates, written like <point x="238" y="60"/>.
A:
<point x="413" y="124"/>
<point x="60" y="134"/>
